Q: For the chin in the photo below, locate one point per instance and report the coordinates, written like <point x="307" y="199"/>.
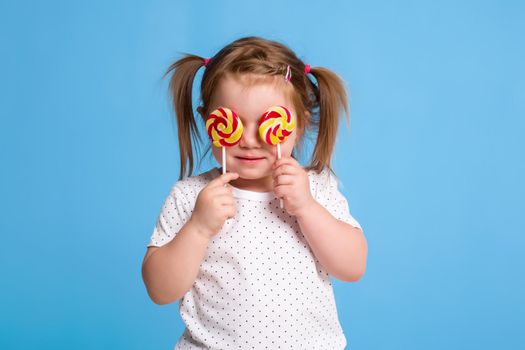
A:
<point x="251" y="174"/>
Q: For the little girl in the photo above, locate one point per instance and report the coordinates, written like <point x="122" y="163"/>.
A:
<point x="248" y="273"/>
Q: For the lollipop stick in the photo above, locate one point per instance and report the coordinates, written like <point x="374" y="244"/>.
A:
<point x="223" y="160"/>
<point x="279" y="157"/>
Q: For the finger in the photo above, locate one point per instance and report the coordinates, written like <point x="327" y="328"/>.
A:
<point x="226" y="200"/>
<point x="214" y="192"/>
<point x="224" y="192"/>
<point x="223" y="179"/>
<point x="220" y="198"/>
<point x="285" y="160"/>
<point x="282" y="190"/>
<point x="283" y="169"/>
<point x="289" y="166"/>
<point x="227" y="205"/>
<point x="228" y="211"/>
<point x="284" y="180"/>
<point x="220" y="190"/>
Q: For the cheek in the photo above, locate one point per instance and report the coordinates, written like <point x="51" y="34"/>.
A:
<point x="216" y="151"/>
<point x="288" y="145"/>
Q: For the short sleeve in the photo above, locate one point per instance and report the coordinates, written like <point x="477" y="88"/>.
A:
<point x="173" y="215"/>
<point x="328" y="195"/>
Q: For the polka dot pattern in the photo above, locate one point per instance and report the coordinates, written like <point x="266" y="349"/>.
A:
<point x="259" y="286"/>
<point x="327" y="194"/>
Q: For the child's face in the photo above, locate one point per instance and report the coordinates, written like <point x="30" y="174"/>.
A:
<point x="252" y="158"/>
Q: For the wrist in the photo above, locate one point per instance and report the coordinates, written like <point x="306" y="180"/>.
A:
<point x="198" y="229"/>
<point x="306" y="209"/>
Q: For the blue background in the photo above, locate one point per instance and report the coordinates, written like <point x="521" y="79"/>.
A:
<point x="432" y="163"/>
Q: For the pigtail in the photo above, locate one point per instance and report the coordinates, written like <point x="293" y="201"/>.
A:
<point x="180" y="91"/>
<point x="330" y="94"/>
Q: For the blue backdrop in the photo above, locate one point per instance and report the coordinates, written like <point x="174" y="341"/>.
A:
<point x="432" y="164"/>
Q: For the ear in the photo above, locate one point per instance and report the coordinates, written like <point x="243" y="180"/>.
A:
<point x="200" y="110"/>
<point x="307" y="114"/>
<point x="305" y="120"/>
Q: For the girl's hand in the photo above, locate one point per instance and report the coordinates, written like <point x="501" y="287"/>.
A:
<point x="290" y="182"/>
<point x="215" y="204"/>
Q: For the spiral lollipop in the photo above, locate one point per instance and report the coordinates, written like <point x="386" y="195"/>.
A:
<point x="224" y="129"/>
<point x="275" y="127"/>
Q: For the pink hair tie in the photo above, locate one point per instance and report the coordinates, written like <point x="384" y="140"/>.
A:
<point x="307" y="69"/>
<point x="288" y="75"/>
<point x="206" y="61"/>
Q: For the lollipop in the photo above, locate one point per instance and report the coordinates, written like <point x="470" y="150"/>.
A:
<point x="224" y="129"/>
<point x="275" y="126"/>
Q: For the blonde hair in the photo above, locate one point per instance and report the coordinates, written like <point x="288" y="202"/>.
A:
<point x="317" y="105"/>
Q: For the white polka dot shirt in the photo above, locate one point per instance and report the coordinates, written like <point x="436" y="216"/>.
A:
<point x="259" y="286"/>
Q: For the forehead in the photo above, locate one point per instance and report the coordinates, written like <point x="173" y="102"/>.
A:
<point x="251" y="95"/>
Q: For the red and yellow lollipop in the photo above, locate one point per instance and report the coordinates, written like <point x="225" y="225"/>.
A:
<point x="224" y="129"/>
<point x="275" y="126"/>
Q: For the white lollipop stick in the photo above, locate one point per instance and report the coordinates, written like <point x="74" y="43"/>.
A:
<point x="279" y="157"/>
<point x="223" y="160"/>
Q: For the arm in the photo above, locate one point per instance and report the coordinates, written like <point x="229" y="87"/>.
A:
<point x="341" y="248"/>
<point x="169" y="271"/>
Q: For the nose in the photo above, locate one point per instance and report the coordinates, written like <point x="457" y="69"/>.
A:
<point x="250" y="138"/>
